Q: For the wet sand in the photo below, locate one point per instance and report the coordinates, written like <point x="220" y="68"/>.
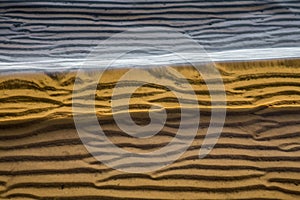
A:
<point x="256" y="157"/>
<point x="51" y="30"/>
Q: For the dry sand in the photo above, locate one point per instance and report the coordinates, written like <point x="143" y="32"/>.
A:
<point x="256" y="157"/>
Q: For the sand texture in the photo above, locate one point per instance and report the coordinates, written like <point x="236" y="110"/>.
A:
<point x="256" y="157"/>
<point x="49" y="30"/>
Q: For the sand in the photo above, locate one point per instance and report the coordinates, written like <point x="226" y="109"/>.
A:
<point x="256" y="156"/>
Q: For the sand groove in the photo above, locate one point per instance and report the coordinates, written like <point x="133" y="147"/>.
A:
<point x="256" y="157"/>
<point x="37" y="30"/>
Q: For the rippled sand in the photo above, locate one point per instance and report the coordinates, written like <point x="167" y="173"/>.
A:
<point x="257" y="155"/>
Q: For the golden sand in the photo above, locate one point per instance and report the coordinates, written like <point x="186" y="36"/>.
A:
<point x="257" y="155"/>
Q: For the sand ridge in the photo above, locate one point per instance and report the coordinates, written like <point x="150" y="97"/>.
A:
<point x="257" y="155"/>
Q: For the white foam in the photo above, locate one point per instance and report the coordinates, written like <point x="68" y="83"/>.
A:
<point x="155" y="60"/>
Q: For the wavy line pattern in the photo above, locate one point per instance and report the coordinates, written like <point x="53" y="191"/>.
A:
<point x="256" y="157"/>
<point x="39" y="30"/>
